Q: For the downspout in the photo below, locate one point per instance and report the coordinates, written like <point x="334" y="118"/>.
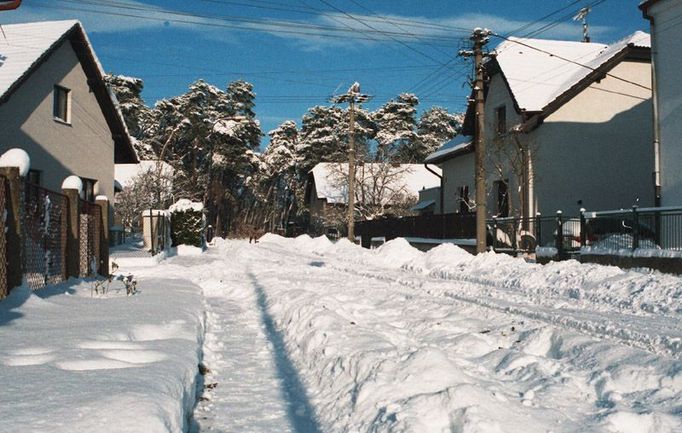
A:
<point x="656" y="120"/>
<point x="426" y="166"/>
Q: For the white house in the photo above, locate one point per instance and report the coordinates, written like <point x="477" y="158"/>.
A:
<point x="666" y="33"/>
<point x="567" y="126"/>
<point x="380" y="189"/>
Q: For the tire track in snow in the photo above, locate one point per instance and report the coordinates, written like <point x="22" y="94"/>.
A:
<point x="648" y="334"/>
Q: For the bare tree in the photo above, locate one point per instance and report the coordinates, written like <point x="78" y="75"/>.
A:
<point x="149" y="189"/>
<point x="381" y="189"/>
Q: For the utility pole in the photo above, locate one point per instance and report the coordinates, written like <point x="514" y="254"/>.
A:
<point x="353" y="96"/>
<point x="479" y="37"/>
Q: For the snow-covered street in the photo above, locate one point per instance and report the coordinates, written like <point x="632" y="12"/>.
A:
<point x="306" y="336"/>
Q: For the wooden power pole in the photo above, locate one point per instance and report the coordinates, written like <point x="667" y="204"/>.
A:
<point x="351" y="170"/>
<point x="479" y="39"/>
<point x="353" y="96"/>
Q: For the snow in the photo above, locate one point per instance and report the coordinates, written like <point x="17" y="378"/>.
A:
<point x="16" y="158"/>
<point x="23" y="45"/>
<point x="456" y="146"/>
<point x="125" y="173"/>
<point x="184" y="205"/>
<point x="538" y="76"/>
<point x="73" y="182"/>
<point x="74" y="361"/>
<point x="330" y="177"/>
<point x="226" y="127"/>
<point x="309" y="335"/>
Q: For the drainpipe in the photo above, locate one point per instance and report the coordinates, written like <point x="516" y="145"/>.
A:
<point x="656" y="120"/>
<point x="441" y="186"/>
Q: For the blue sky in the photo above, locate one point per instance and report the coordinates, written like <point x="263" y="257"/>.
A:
<point x="299" y="52"/>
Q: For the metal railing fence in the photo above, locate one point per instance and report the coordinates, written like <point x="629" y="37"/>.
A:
<point x="646" y="228"/>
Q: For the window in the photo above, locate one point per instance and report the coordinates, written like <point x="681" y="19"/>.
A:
<point x="464" y="199"/>
<point x="33" y="177"/>
<point x="62" y="104"/>
<point x="502" y="198"/>
<point x="88" y="189"/>
<point x="501" y="120"/>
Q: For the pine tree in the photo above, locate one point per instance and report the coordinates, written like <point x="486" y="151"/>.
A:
<point x="136" y="114"/>
<point x="397" y="124"/>
<point x="436" y="127"/>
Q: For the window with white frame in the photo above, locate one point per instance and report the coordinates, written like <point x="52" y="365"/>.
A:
<point x="62" y="104"/>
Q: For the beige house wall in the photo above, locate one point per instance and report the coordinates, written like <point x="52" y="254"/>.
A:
<point x="597" y="147"/>
<point x="457" y="172"/>
<point x="666" y="33"/>
<point x="84" y="147"/>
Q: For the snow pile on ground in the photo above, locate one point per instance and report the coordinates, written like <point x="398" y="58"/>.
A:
<point x="446" y="344"/>
<point x="75" y="361"/>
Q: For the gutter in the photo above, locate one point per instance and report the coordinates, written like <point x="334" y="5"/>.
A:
<point x="656" y="120"/>
<point x="426" y="166"/>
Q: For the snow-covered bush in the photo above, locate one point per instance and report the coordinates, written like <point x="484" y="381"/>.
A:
<point x="187" y="223"/>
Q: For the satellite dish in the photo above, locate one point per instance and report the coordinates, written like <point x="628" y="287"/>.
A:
<point x="6" y="5"/>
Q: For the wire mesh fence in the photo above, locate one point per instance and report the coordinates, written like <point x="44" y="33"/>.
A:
<point x="4" y="289"/>
<point x="90" y="220"/>
<point x="45" y="236"/>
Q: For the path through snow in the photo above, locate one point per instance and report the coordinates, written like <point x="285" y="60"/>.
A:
<point x="304" y="336"/>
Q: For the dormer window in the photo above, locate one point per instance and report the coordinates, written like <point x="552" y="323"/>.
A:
<point x="501" y="120"/>
<point x="62" y="104"/>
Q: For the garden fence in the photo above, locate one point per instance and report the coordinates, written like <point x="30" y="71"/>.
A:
<point x="45" y="236"/>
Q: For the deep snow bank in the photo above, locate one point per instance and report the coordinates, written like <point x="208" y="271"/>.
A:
<point x="72" y="362"/>
<point x="581" y="284"/>
<point x="380" y="356"/>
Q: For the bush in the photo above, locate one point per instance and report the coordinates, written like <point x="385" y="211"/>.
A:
<point x="187" y="223"/>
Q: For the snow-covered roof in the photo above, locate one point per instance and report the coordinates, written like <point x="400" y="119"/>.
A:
<point x="330" y="178"/>
<point x="23" y="45"/>
<point x="538" y="75"/>
<point x="423" y="204"/>
<point x="457" y="145"/>
<point x="124" y="173"/>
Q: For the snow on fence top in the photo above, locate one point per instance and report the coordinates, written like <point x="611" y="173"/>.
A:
<point x="184" y="205"/>
<point x="16" y="158"/>
<point x="73" y="182"/>
<point x="538" y="76"/>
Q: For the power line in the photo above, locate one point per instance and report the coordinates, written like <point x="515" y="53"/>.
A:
<point x="231" y="22"/>
<point x="517" y="41"/>
<point x="386" y="33"/>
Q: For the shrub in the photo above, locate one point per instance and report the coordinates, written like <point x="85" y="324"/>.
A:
<point x="187" y="223"/>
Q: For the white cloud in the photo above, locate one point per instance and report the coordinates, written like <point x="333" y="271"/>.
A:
<point x="369" y="29"/>
<point x="358" y="30"/>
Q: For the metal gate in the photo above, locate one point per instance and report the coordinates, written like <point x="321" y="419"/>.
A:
<point x="45" y="234"/>
<point x="90" y="232"/>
